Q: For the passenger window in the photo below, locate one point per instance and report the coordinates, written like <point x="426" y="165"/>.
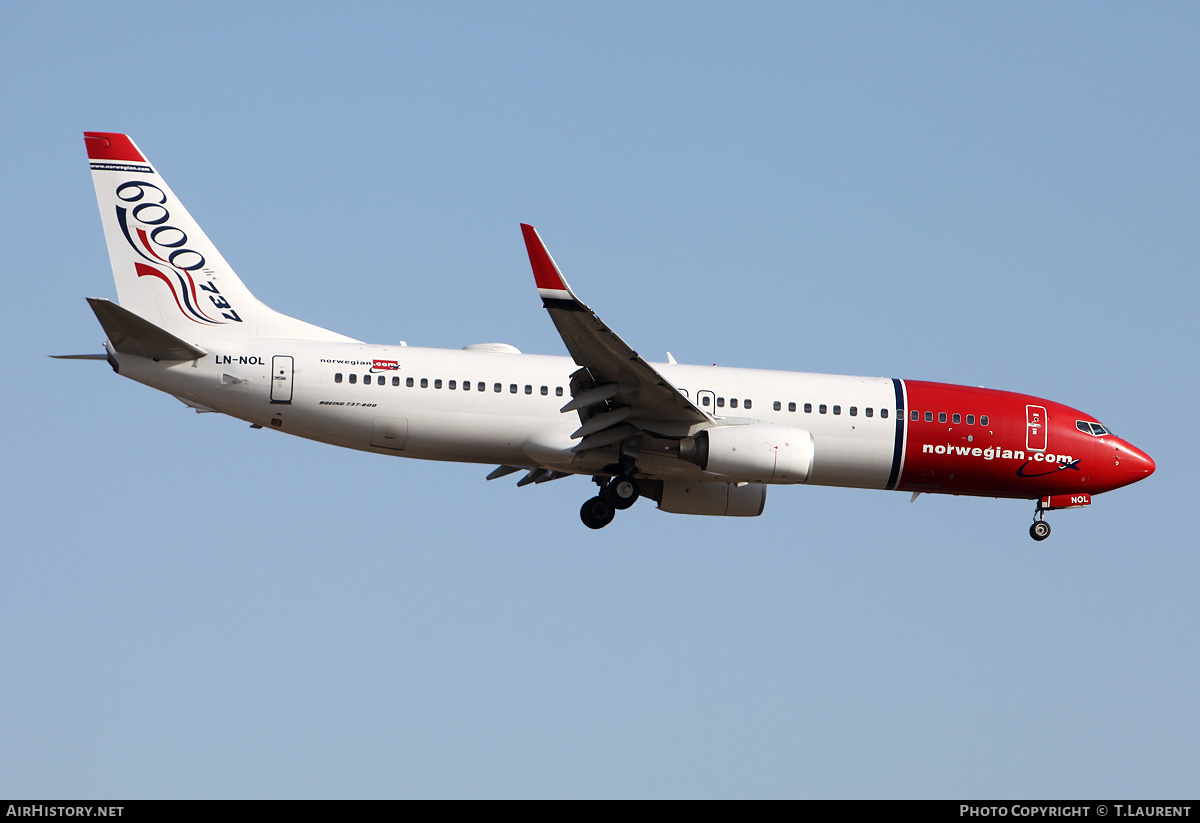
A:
<point x="366" y="379"/>
<point x="558" y="391"/>
<point x="915" y="416"/>
<point x="883" y="412"/>
<point x="808" y="408"/>
<point x="466" y="385"/>
<point x="395" y="381"/>
<point x="497" y="388"/>
<point x="746" y="405"/>
<point x="777" y="405"/>
<point x="545" y="390"/>
<point x="452" y="385"/>
<point x="941" y="417"/>
<point x="837" y="409"/>
<point x="437" y="384"/>
<point x="720" y="402"/>
<point x="983" y="419"/>
<point x="928" y="417"/>
<point x="481" y="386"/>
<point x="512" y="388"/>
<point x="337" y="378"/>
<point x="822" y="408"/>
<point x="409" y="382"/>
<point x="957" y="417"/>
<point x="792" y="407"/>
<point x="704" y="400"/>
<point x="970" y="420"/>
<point x="381" y="379"/>
<point x="354" y="378"/>
<point x="528" y="389"/>
<point x="854" y="411"/>
<point x="733" y="402"/>
<point x="869" y="411"/>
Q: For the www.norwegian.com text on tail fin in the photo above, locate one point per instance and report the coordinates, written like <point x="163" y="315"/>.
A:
<point x="167" y="270"/>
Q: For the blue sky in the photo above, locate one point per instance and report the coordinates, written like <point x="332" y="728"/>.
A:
<point x="1000" y="195"/>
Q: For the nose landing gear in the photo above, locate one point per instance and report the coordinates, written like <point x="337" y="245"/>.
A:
<point x="1040" y="529"/>
<point x="618" y="494"/>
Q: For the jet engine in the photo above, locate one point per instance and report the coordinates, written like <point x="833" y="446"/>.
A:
<point x="759" y="453"/>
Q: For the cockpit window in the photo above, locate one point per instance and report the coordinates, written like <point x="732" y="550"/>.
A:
<point x="1091" y="428"/>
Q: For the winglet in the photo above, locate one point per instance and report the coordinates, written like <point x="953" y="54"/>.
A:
<point x="551" y="284"/>
<point x="103" y="145"/>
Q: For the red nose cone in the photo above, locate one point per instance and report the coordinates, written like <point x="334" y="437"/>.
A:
<point x="1135" y="463"/>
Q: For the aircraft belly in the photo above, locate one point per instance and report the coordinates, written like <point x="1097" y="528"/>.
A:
<point x="469" y="437"/>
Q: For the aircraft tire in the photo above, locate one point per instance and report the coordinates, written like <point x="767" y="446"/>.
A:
<point x="597" y="513"/>
<point x="622" y="492"/>
<point x="1040" y="530"/>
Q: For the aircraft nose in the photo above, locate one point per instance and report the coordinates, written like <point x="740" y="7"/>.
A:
<point x="1136" y="463"/>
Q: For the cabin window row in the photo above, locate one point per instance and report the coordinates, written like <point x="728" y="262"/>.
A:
<point x="720" y="401"/>
<point x="451" y="385"/>
<point x="824" y="408"/>
<point x="942" y="417"/>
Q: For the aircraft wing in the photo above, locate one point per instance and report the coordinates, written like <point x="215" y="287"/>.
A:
<point x="615" y="391"/>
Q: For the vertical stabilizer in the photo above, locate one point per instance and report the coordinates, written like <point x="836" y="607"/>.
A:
<point x="167" y="270"/>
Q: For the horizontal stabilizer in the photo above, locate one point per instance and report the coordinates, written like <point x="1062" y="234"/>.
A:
<point x="131" y="334"/>
<point x="80" y="356"/>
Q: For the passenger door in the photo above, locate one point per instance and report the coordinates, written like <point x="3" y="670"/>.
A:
<point x="281" y="378"/>
<point x="1035" y="428"/>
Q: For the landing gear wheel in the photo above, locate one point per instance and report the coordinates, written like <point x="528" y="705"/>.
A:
<point x="622" y="492"/>
<point x="597" y="513"/>
<point x="1039" y="530"/>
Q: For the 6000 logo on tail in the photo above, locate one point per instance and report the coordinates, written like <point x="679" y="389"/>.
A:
<point x="149" y="225"/>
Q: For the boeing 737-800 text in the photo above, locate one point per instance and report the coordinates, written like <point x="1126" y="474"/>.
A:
<point x="697" y="440"/>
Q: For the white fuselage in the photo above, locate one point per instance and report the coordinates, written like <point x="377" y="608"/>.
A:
<point x="359" y="396"/>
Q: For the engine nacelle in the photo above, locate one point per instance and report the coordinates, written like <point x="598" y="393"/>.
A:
<point x="720" y="499"/>
<point x="759" y="453"/>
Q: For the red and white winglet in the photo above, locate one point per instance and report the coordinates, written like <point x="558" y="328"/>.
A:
<point x="551" y="284"/>
<point x="103" y="145"/>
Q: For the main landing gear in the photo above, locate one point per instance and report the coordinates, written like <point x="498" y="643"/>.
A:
<point x="619" y="493"/>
